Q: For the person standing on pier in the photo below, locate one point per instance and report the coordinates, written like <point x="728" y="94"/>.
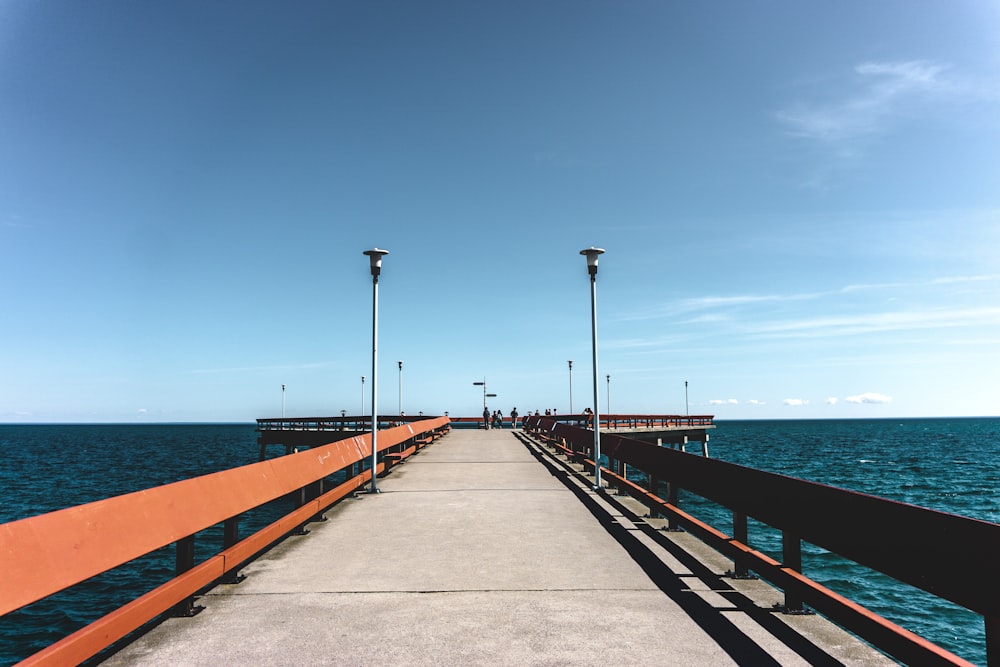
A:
<point x="513" y="417"/>
<point x="486" y="418"/>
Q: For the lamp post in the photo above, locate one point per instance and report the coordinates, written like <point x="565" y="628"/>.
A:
<point x="362" y="396"/>
<point x="485" y="395"/>
<point x="400" y="362"/>
<point x="282" y="401"/>
<point x="687" y="410"/>
<point x="375" y="258"/>
<point x="570" y="362"/>
<point x="592" y="254"/>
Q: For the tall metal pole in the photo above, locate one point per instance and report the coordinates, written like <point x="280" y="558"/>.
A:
<point x="375" y="256"/>
<point x="483" y="384"/>
<point x="687" y="410"/>
<point x="362" y="396"/>
<point x="608" y="406"/>
<point x="400" y="362"/>
<point x="282" y="401"/>
<point x="592" y="255"/>
<point x="570" y="362"/>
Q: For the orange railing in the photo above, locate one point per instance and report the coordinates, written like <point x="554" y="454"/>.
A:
<point x="45" y="554"/>
<point x="949" y="556"/>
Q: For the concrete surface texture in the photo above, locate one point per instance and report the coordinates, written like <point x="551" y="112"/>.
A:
<point x="483" y="550"/>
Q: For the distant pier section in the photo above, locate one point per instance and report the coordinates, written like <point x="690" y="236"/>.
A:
<point x="293" y="433"/>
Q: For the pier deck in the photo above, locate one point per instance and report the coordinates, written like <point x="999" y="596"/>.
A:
<point x="484" y="550"/>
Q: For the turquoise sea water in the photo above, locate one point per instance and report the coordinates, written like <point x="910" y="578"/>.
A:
<point x="951" y="465"/>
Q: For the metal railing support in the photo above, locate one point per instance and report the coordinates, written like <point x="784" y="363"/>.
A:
<point x="791" y="556"/>
<point x="742" y="535"/>
<point x="673" y="499"/>
<point x="184" y="562"/>
<point x="230" y="537"/>
<point x="992" y="640"/>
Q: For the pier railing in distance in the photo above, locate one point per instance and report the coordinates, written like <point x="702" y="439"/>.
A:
<point x="656" y="421"/>
<point x="607" y="421"/>
<point x="947" y="555"/>
<point x="45" y="554"/>
<point x="345" y="423"/>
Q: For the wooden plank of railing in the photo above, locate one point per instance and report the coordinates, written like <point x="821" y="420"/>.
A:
<point x="44" y="554"/>
<point x="93" y="638"/>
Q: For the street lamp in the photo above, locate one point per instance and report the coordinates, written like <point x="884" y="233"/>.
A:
<point x="687" y="410"/>
<point x="375" y="258"/>
<point x="592" y="254"/>
<point x="282" y="401"/>
<point x="485" y="395"/>
<point x="570" y="362"/>
<point x="609" y="394"/>
<point x="400" y="362"/>
<point x="362" y="396"/>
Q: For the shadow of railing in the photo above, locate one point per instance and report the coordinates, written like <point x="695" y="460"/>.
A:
<point x="949" y="556"/>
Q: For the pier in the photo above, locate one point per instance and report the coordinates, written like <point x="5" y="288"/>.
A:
<point x="494" y="547"/>
<point x="295" y="432"/>
<point x="515" y="562"/>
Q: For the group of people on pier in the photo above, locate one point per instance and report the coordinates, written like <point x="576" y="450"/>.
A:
<point x="495" y="419"/>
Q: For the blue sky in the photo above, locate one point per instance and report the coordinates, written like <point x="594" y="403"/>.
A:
<point x="799" y="203"/>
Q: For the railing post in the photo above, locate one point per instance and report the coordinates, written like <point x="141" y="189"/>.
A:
<point x="652" y="485"/>
<point x="184" y="562"/>
<point x="742" y="535"/>
<point x="791" y="555"/>
<point x="992" y="640"/>
<point x="230" y="536"/>
<point x="672" y="499"/>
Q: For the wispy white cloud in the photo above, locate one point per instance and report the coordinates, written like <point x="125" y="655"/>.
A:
<point x="795" y="402"/>
<point x="866" y="323"/>
<point x="719" y="308"/>
<point x="880" y="91"/>
<point x="717" y="303"/>
<point x="833" y="400"/>
<point x="869" y="397"/>
<point x="724" y="401"/>
<point x="14" y="221"/>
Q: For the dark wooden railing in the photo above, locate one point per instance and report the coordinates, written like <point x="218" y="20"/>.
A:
<point x="950" y="556"/>
<point x="45" y="554"/>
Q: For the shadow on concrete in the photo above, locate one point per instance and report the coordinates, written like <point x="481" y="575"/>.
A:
<point x="730" y="638"/>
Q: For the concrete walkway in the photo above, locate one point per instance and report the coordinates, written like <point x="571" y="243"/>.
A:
<point x="482" y="551"/>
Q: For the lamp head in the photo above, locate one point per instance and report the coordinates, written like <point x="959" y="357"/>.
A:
<point x="375" y="257"/>
<point x="592" y="254"/>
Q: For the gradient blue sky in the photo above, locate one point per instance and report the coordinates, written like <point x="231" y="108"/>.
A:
<point x="799" y="202"/>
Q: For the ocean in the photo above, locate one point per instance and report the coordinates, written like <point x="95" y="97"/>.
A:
<point x="952" y="465"/>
